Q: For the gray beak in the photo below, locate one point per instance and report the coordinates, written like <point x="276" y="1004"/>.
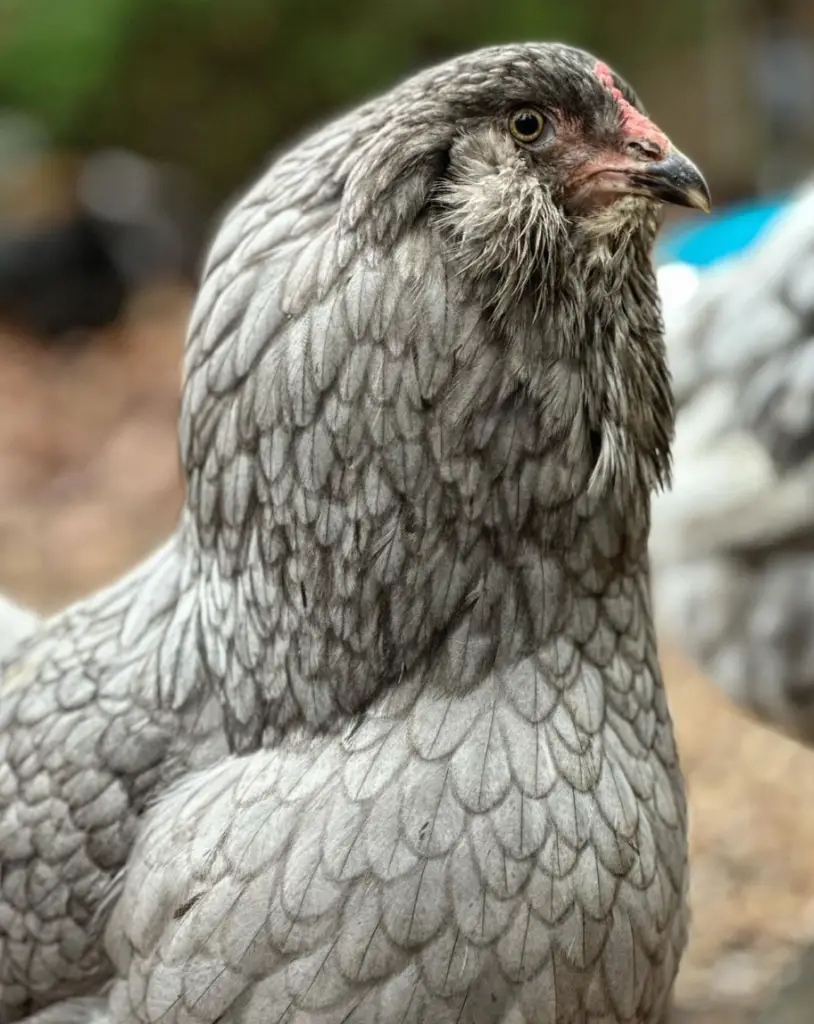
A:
<point x="676" y="180"/>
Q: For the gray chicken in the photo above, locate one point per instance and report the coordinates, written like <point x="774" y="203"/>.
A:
<point x="733" y="542"/>
<point x="425" y="405"/>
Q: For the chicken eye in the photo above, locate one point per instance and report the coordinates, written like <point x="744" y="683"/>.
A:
<point x="527" y="124"/>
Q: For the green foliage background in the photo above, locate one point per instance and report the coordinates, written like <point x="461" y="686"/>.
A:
<point x="217" y="84"/>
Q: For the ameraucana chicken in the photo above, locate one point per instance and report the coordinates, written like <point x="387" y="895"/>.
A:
<point x="425" y="405"/>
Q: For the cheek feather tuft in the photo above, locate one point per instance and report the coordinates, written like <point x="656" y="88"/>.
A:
<point x="634" y="123"/>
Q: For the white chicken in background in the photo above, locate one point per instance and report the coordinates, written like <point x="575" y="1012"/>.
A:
<point x="732" y="543"/>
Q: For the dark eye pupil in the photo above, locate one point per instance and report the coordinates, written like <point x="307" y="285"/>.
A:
<point x="527" y="124"/>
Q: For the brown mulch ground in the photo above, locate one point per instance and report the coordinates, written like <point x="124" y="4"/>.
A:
<point x="89" y="483"/>
<point x="89" y="475"/>
<point x="752" y="844"/>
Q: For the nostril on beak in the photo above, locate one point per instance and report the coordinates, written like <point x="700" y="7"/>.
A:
<point x="644" y="149"/>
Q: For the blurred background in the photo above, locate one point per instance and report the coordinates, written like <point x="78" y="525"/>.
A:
<point x="126" y="125"/>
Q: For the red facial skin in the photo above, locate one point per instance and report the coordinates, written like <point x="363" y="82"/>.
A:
<point x="632" y="122"/>
<point x="598" y="177"/>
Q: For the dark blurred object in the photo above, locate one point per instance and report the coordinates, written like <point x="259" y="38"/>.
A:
<point x="133" y="224"/>
<point x="61" y="280"/>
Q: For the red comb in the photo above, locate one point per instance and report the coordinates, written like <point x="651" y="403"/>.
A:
<point x="634" y="123"/>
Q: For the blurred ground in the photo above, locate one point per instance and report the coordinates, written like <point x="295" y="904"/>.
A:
<point x="89" y="477"/>
<point x="752" y="844"/>
<point x="89" y="482"/>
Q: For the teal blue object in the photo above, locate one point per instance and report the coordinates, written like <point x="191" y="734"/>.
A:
<point x="705" y="241"/>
